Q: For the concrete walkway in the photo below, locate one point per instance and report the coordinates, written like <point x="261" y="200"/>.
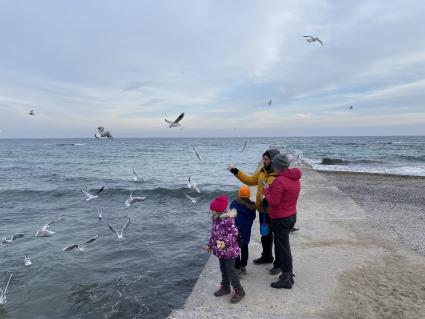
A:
<point x="342" y="270"/>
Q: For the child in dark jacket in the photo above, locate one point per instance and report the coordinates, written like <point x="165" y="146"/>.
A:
<point x="244" y="219"/>
<point x="223" y="243"/>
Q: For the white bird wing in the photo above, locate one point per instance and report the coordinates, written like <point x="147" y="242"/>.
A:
<point x="169" y="122"/>
<point x="195" y="151"/>
<point x="192" y="198"/>
<point x="88" y="195"/>
<point x="126" y="225"/>
<point x="7" y="285"/>
<point x="135" y="174"/>
<point x="195" y="186"/>
<point x="99" y="212"/>
<point x="139" y="198"/>
<point x="179" y="118"/>
<point x="90" y="240"/>
<point x="70" y="247"/>
<point x="46" y="226"/>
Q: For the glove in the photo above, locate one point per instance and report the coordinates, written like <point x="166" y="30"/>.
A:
<point x="234" y="171"/>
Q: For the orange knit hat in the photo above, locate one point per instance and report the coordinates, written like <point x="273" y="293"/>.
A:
<point x="244" y="192"/>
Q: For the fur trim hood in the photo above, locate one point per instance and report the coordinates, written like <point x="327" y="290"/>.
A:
<point x="230" y="213"/>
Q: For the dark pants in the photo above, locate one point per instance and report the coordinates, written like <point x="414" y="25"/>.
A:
<point x="229" y="274"/>
<point x="242" y="259"/>
<point x="281" y="227"/>
<point x="267" y="242"/>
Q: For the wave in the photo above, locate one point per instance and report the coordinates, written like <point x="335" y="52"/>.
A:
<point x="70" y="144"/>
<point x="340" y="161"/>
<point x="420" y="158"/>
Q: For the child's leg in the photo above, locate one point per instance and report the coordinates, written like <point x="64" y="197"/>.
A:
<point x="244" y="256"/>
<point x="225" y="281"/>
<point x="238" y="264"/>
<point x="232" y="273"/>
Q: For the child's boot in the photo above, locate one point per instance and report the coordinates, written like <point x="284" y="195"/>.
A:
<point x="222" y="291"/>
<point x="237" y="295"/>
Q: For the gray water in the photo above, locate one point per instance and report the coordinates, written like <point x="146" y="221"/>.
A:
<point x="152" y="270"/>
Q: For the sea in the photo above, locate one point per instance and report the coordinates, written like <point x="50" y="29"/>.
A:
<point x="153" y="269"/>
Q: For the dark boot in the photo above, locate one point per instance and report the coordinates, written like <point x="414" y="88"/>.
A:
<point x="286" y="280"/>
<point x="275" y="270"/>
<point x="261" y="260"/>
<point x="222" y="291"/>
<point x="237" y="295"/>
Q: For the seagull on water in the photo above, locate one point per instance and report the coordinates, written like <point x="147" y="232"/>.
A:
<point x="27" y="261"/>
<point x="176" y="122"/>
<point x="193" y="199"/>
<point x="3" y="292"/>
<point x="136" y="177"/>
<point x="10" y="239"/>
<point x="99" y="214"/>
<point x="45" y="231"/>
<point x="83" y="246"/>
<point x="311" y="39"/>
<point x="91" y="196"/>
<point x="102" y="133"/>
<point x="119" y="234"/>
<point x="31" y="112"/>
<point x="193" y="185"/>
<point x="132" y="199"/>
<point x="196" y="153"/>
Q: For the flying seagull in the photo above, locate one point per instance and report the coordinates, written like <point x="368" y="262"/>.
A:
<point x="133" y="199"/>
<point x="351" y="107"/>
<point x="3" y="292"/>
<point x="83" y="246"/>
<point x="270" y="102"/>
<point x="119" y="234"/>
<point x="102" y="133"/>
<point x="176" y="122"/>
<point x="311" y="39"/>
<point x="244" y="146"/>
<point x="27" y="261"/>
<point x="99" y="214"/>
<point x="196" y="153"/>
<point x="136" y="177"/>
<point x="193" y="199"/>
<point x="10" y="239"/>
<point x="91" y="196"/>
<point x="31" y="112"/>
<point x="45" y="231"/>
<point x="193" y="185"/>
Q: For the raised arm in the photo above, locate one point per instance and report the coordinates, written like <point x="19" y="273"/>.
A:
<point x="250" y="180"/>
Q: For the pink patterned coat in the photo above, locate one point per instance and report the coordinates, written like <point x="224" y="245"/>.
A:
<point x="224" y="235"/>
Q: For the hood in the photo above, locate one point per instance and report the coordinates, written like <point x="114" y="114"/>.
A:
<point x="292" y="173"/>
<point x="231" y="213"/>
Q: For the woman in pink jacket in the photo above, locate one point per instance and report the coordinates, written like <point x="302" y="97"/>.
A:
<point x="282" y="196"/>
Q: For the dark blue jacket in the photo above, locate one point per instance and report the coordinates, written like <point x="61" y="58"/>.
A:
<point x="245" y="217"/>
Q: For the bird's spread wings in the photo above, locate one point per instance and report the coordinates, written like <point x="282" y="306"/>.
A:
<point x="7" y="285"/>
<point x="319" y="41"/>
<point x="70" y="247"/>
<point x="53" y="221"/>
<point x="112" y="228"/>
<point x="179" y="118"/>
<point x="168" y="121"/>
<point x="86" y="193"/>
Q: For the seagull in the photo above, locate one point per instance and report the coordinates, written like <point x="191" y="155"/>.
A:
<point x="3" y="292"/>
<point x="27" y="261"/>
<point x="83" y="246"/>
<point x="91" y="196"/>
<point x="136" y="177"/>
<point x="176" y="122"/>
<point x="31" y="112"/>
<point x="132" y="199"/>
<point x="45" y="231"/>
<point x="311" y="39"/>
<point x="244" y="146"/>
<point x="270" y="102"/>
<point x="10" y="239"/>
<point x="102" y="133"/>
<point x="351" y="107"/>
<point x="193" y="199"/>
<point x="196" y="153"/>
<point x="99" y="214"/>
<point x="119" y="234"/>
<point x="193" y="185"/>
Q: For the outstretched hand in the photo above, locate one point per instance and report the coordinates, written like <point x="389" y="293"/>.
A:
<point x="229" y="167"/>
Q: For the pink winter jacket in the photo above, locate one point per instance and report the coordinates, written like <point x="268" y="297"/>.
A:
<point x="282" y="194"/>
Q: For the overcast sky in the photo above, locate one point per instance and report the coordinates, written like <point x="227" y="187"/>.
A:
<point x="126" y="65"/>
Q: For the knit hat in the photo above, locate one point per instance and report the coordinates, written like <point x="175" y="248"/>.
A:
<point x="244" y="192"/>
<point x="271" y="153"/>
<point x="280" y="162"/>
<point x="219" y="204"/>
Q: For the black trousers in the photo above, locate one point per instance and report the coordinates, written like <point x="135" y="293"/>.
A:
<point x="267" y="242"/>
<point x="281" y="227"/>
<point x="229" y="275"/>
<point x="242" y="259"/>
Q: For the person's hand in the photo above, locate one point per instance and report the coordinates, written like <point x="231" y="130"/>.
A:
<point x="229" y="167"/>
<point x="232" y="169"/>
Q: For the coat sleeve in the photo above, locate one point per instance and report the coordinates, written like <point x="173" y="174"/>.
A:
<point x="273" y="193"/>
<point x="250" y="180"/>
<point x="211" y="240"/>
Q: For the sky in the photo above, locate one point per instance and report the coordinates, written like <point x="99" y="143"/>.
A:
<point x="128" y="65"/>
